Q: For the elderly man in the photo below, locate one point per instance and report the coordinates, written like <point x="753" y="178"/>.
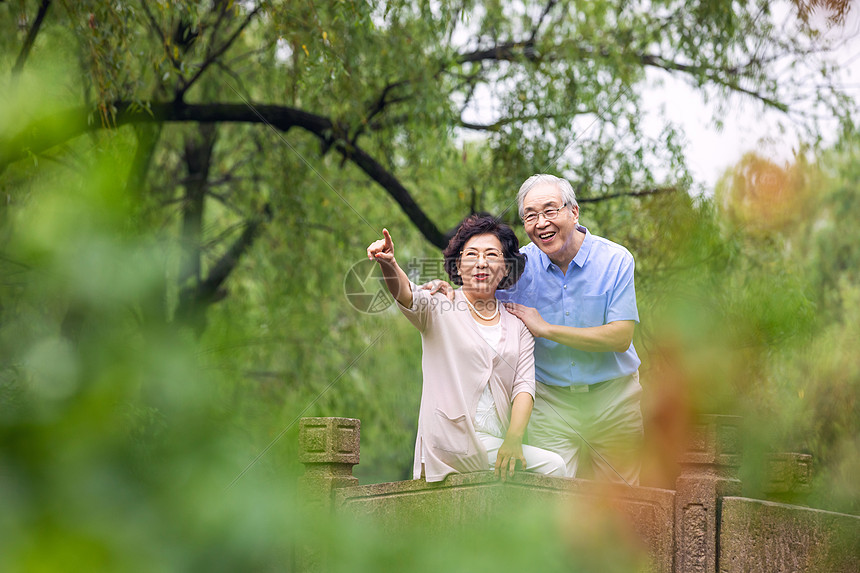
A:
<point x="577" y="298"/>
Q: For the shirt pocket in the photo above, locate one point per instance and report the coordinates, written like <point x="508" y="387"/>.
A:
<point x="450" y="434"/>
<point x="592" y="310"/>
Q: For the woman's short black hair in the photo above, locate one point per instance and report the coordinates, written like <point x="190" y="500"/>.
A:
<point x="483" y="224"/>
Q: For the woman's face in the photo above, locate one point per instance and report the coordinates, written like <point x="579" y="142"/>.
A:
<point x="482" y="263"/>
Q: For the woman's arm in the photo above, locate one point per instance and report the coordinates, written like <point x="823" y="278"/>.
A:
<point x="382" y="251"/>
<point x="511" y="449"/>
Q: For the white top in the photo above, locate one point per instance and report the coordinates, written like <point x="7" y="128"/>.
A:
<point x="491" y="333"/>
<point x="486" y="416"/>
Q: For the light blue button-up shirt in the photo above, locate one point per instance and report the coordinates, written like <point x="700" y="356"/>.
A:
<point x="597" y="289"/>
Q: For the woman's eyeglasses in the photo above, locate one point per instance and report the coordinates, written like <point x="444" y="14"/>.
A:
<point x="472" y="255"/>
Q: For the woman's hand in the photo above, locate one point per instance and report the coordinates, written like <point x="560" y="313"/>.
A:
<point x="530" y="317"/>
<point x="382" y="250"/>
<point x="510" y="451"/>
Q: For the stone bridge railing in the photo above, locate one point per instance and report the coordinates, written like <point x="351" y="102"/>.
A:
<point x="701" y="526"/>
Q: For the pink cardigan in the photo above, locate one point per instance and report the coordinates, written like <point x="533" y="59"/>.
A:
<point x="457" y="363"/>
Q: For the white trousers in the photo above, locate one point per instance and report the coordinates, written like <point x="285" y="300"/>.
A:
<point x="603" y="424"/>
<point x="538" y="460"/>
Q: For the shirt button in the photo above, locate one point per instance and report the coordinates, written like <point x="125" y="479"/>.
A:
<point x="565" y="286"/>
<point x="567" y="313"/>
<point x="573" y="363"/>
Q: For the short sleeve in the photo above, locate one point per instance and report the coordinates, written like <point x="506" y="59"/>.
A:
<point x="622" y="299"/>
<point x="524" y="377"/>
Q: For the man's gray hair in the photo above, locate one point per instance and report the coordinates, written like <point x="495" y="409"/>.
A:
<point x="567" y="193"/>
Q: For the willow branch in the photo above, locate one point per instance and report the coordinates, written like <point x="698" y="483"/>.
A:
<point x="643" y="193"/>
<point x="31" y="37"/>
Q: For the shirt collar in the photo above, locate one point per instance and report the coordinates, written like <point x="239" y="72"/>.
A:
<point x="581" y="256"/>
<point x="584" y="249"/>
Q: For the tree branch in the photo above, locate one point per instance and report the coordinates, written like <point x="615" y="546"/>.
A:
<point x="55" y="129"/>
<point x="513" y="51"/>
<point x="31" y="38"/>
<point x="546" y="10"/>
<point x="506" y="52"/>
<point x="225" y="265"/>
<point x="644" y="193"/>
<point x="58" y="128"/>
<point x="197" y="154"/>
<point x="209" y="290"/>
<point x="498" y="125"/>
<point x="713" y="75"/>
<point x="147" y="138"/>
<point x="156" y="29"/>
<point x="397" y="191"/>
<point x="212" y="56"/>
<point x="378" y="106"/>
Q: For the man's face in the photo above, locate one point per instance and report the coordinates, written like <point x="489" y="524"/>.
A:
<point x="554" y="237"/>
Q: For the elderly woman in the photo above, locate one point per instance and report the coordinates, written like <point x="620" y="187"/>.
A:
<point x="478" y="367"/>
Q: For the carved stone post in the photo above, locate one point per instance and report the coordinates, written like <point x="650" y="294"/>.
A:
<point x="788" y="477"/>
<point x="328" y="447"/>
<point x="708" y="472"/>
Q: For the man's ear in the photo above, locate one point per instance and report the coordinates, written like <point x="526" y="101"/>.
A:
<point x="575" y="210"/>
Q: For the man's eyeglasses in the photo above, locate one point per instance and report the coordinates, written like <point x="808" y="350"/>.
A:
<point x="548" y="214"/>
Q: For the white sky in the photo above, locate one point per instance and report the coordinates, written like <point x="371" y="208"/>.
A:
<point x="710" y="150"/>
<point x="746" y="126"/>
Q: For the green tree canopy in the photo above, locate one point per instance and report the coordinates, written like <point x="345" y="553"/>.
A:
<point x="385" y="92"/>
<point x="158" y="157"/>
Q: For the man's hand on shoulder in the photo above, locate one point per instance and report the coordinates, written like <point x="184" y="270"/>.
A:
<point x="530" y="317"/>
<point x="439" y="285"/>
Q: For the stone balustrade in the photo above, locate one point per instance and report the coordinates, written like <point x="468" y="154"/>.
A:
<point x="703" y="526"/>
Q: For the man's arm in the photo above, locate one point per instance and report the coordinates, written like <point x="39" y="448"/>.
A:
<point x="615" y="336"/>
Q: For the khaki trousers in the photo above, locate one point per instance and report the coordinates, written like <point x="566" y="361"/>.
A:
<point x="601" y="423"/>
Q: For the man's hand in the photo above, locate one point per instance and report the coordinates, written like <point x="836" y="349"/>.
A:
<point x="438" y="285"/>
<point x="382" y="250"/>
<point x="506" y="460"/>
<point x="530" y="317"/>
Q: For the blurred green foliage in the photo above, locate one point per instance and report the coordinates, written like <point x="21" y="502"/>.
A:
<point x="520" y="534"/>
<point x="136" y="434"/>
